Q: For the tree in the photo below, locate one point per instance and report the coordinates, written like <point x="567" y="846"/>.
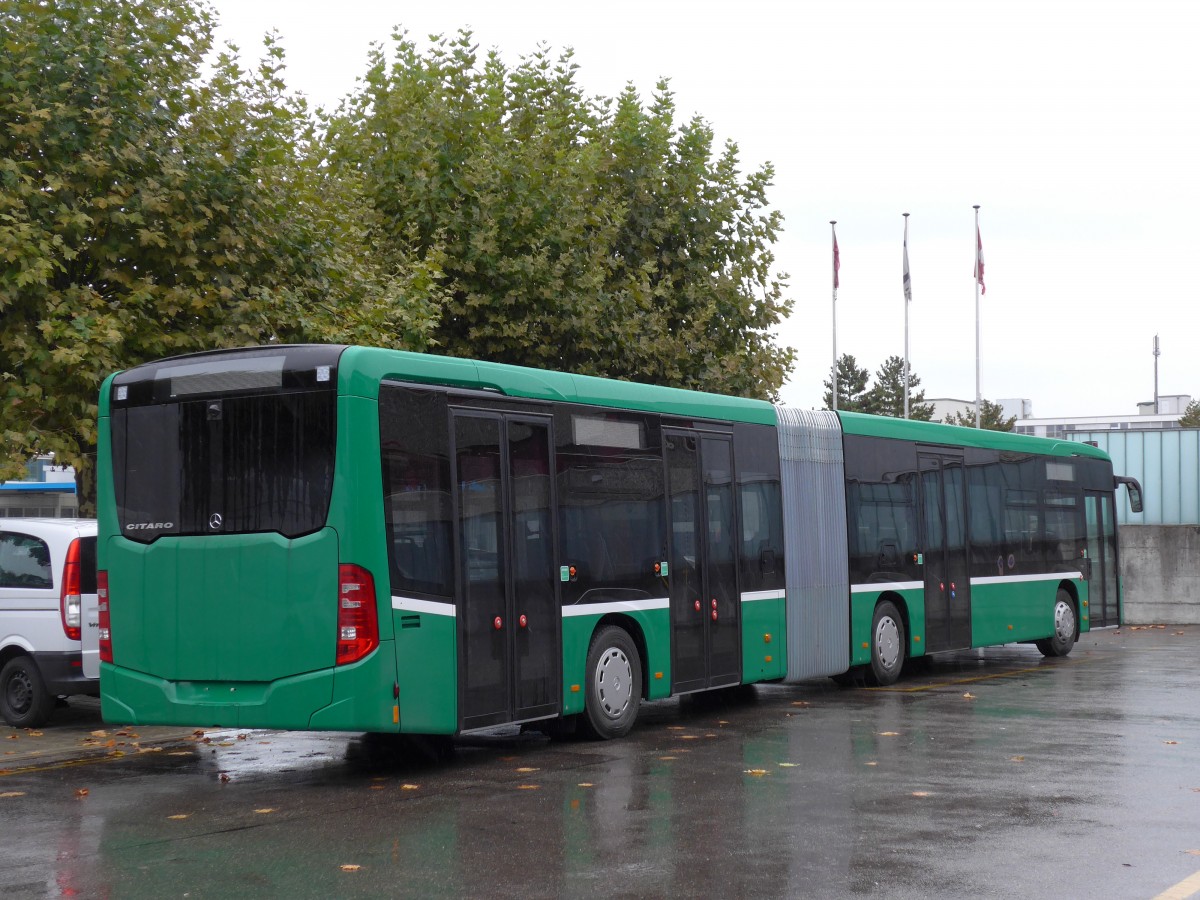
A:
<point x="145" y="212"/>
<point x="568" y="232"/>
<point x="886" y="396"/>
<point x="1191" y="415"/>
<point x="852" y="386"/>
<point x="991" y="417"/>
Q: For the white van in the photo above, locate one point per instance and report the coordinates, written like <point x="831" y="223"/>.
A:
<point x="49" y="626"/>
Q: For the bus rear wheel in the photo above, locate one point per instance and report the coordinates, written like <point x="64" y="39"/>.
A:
<point x="1066" y="626"/>
<point x="887" y="643"/>
<point x="614" y="684"/>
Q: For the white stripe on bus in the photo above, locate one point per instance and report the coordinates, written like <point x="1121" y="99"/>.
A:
<point x="412" y="604"/>
<point x="616" y="606"/>
<point x="876" y="587"/>
<point x="749" y="596"/>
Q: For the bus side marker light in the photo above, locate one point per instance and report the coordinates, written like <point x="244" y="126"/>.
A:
<point x="769" y="659"/>
<point x="658" y="676"/>
<point x="574" y="689"/>
<point x="866" y="645"/>
<point x="916" y="639"/>
<point x="1085" y="604"/>
<point x="395" y="715"/>
<point x="766" y="639"/>
<point x="1010" y="628"/>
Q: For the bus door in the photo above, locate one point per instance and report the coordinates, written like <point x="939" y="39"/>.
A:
<point x="509" y="617"/>
<point x="944" y="540"/>
<point x="1100" y="515"/>
<point x="705" y="609"/>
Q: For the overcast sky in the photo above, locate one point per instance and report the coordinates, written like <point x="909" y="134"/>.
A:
<point x="1075" y="126"/>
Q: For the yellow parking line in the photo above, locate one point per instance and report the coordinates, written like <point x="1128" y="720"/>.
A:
<point x="66" y="764"/>
<point x="972" y="679"/>
<point x="1187" y="888"/>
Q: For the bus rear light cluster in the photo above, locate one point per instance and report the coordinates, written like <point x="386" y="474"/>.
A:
<point x="357" y="619"/>
<point x="105" y="633"/>
<point x="70" y="604"/>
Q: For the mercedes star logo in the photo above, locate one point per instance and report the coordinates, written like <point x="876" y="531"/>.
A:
<point x="214" y="521"/>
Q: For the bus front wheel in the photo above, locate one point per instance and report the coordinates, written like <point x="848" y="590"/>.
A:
<point x="887" y="643"/>
<point x="1065" y="628"/>
<point x="614" y="684"/>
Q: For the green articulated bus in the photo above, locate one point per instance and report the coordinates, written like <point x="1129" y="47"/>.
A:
<point x="346" y="538"/>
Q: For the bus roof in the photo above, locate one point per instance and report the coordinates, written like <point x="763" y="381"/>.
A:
<point x="958" y="436"/>
<point x="361" y="369"/>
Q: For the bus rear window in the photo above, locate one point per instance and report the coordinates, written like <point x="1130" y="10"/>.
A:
<point x="228" y="465"/>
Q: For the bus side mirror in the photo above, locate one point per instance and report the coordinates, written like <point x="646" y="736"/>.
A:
<point x="1133" y="489"/>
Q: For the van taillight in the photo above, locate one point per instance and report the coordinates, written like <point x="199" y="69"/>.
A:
<point x="106" y="654"/>
<point x="70" y="603"/>
<point x="358" y="619"/>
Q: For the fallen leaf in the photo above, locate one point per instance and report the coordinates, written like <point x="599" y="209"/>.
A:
<point x="668" y="758"/>
<point x="1192" y="852"/>
<point x="179" y="816"/>
<point x="710" y="735"/>
<point x="242" y="737"/>
<point x="527" y="769"/>
<point x="920" y="793"/>
<point x="722" y="722"/>
<point x="8" y="794"/>
<point x="1016" y="759"/>
<point x="265" y="810"/>
<point x="687" y="737"/>
<point x="801" y="703"/>
<point x="968" y="696"/>
<point x="34" y="733"/>
<point x="585" y="784"/>
<point x="528" y="787"/>
<point x="788" y="765"/>
<point x="180" y="753"/>
<point x="225" y="744"/>
<point x="1172" y="743"/>
<point x="224" y="777"/>
<point x="197" y="734"/>
<point x="676" y="728"/>
<point x="350" y="867"/>
<point x="149" y="749"/>
<point x="1176" y="632"/>
<point x="757" y="773"/>
<point x="80" y="793"/>
<point x="410" y="787"/>
<point x="100" y="734"/>
<point x="887" y="733"/>
<point x="872" y="763"/>
<point x="14" y="737"/>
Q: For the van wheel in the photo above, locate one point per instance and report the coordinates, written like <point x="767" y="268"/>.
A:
<point x="24" y="700"/>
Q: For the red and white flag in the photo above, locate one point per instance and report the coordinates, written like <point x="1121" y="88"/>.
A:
<point x="979" y="260"/>
<point x="837" y="260"/>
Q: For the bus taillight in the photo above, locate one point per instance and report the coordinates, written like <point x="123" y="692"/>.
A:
<point x="70" y="603"/>
<point x="105" y="635"/>
<point x="358" y="620"/>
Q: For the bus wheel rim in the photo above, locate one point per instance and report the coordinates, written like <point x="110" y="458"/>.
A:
<point x="614" y="682"/>
<point x="1064" y="621"/>
<point x="887" y="642"/>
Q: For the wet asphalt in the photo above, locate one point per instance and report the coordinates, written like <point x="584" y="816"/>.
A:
<point x="990" y="774"/>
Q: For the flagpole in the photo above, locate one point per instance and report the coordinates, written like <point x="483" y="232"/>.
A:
<point x="907" y="299"/>
<point x="978" y="369"/>
<point x="834" y="376"/>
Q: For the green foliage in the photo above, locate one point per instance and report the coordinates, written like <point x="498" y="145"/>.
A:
<point x="570" y="232"/>
<point x="1191" y="415"/>
<point x="886" y="397"/>
<point x="146" y="212"/>
<point x="991" y="417"/>
<point x="883" y="398"/>
<point x="852" y="386"/>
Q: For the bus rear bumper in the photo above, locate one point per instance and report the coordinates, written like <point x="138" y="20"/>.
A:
<point x="134" y="698"/>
